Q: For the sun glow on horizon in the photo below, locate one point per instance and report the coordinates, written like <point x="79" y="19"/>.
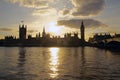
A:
<point x="54" y="29"/>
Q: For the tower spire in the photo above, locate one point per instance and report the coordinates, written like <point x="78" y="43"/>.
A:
<point x="82" y="24"/>
<point x="44" y="29"/>
<point x="82" y="29"/>
<point x="43" y="33"/>
<point x="22" y="31"/>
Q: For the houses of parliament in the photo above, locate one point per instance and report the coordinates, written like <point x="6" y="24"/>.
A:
<point x="69" y="39"/>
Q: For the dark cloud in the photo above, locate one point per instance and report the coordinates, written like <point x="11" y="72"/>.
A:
<point x="65" y="11"/>
<point x="6" y="29"/>
<point x="87" y="7"/>
<point x="76" y="23"/>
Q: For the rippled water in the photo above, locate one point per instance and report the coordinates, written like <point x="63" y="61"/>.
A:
<point x="37" y="63"/>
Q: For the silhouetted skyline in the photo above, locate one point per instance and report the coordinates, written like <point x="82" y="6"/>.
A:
<point x="62" y="15"/>
<point x="45" y="39"/>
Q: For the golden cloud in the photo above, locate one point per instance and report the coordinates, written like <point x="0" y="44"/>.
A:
<point x="44" y="11"/>
<point x="32" y="3"/>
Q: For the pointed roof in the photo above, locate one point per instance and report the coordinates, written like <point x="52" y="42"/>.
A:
<point x="82" y="24"/>
<point x="44" y="29"/>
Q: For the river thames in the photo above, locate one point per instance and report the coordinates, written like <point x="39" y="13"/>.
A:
<point x="58" y="63"/>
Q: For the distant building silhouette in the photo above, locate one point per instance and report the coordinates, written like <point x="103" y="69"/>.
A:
<point x="82" y="30"/>
<point x="117" y="35"/>
<point x="29" y="36"/>
<point x="44" y="39"/>
<point x="99" y="37"/>
<point x="76" y="35"/>
<point x="22" y="31"/>
<point x="43" y="33"/>
<point x="9" y="37"/>
<point x="69" y="40"/>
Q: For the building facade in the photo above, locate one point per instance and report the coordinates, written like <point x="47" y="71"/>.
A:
<point x="22" y="31"/>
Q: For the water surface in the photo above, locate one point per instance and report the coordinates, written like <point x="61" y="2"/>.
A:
<point x="58" y="63"/>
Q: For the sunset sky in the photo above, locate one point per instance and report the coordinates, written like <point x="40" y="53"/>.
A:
<point x="59" y="16"/>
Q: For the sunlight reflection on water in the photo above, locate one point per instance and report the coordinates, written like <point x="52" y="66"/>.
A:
<point x="54" y="62"/>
